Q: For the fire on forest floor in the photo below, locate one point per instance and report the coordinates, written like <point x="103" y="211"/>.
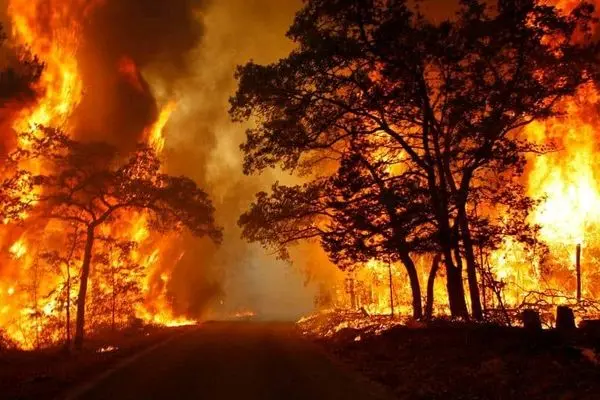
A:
<point x="329" y="323"/>
<point x="448" y="360"/>
<point x="45" y="373"/>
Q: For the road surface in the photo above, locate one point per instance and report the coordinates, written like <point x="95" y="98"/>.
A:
<point x="235" y="360"/>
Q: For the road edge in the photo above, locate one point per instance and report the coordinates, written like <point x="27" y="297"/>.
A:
<point x="385" y="392"/>
<point x="82" y="388"/>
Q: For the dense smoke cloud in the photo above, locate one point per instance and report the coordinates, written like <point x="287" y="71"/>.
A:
<point x="120" y="37"/>
<point x="203" y="142"/>
<point x="186" y="51"/>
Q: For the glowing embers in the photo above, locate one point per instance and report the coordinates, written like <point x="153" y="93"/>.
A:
<point x="107" y="349"/>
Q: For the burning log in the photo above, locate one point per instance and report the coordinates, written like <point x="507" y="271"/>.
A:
<point x="565" y="318"/>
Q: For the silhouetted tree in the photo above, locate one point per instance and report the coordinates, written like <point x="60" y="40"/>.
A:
<point x="18" y="78"/>
<point x="452" y="97"/>
<point x="89" y="185"/>
<point x="362" y="212"/>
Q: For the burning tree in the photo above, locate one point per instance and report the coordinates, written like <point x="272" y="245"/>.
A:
<point x="90" y="185"/>
<point x="64" y="263"/>
<point x="121" y="275"/>
<point x="21" y="71"/>
<point x="17" y="79"/>
<point x="443" y="104"/>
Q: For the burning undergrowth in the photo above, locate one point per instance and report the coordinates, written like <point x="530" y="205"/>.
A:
<point x="330" y="323"/>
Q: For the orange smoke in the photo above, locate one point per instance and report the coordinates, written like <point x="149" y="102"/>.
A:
<point x="129" y="71"/>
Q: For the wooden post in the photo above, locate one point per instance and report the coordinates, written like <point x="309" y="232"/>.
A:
<point x="350" y="291"/>
<point x="352" y="294"/>
<point x="391" y="290"/>
<point x="565" y="318"/>
<point x="578" y="271"/>
<point x="531" y="320"/>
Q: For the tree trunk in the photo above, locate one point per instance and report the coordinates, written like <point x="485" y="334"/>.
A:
<point x="391" y="290"/>
<point x="454" y="283"/>
<point x="85" y="273"/>
<point x="113" y="298"/>
<point x="435" y="266"/>
<point x="415" y="286"/>
<point x="456" y="291"/>
<point x="476" y="309"/>
<point x="68" y="316"/>
<point x="352" y="293"/>
<point x="68" y="300"/>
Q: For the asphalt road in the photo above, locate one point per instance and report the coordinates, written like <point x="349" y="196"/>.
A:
<point x="235" y="360"/>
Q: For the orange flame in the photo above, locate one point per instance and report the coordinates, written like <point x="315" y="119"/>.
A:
<point x="33" y="296"/>
<point x="155" y="135"/>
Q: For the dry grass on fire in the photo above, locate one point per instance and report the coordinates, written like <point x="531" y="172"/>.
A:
<point x="446" y="360"/>
<point x="48" y="372"/>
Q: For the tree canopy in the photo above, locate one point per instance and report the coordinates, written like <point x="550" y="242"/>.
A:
<point x="18" y="76"/>
<point x="442" y="105"/>
<point x="52" y="176"/>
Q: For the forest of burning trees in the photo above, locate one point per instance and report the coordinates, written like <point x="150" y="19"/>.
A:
<point x="84" y="219"/>
<point x="446" y="166"/>
<point x="418" y="143"/>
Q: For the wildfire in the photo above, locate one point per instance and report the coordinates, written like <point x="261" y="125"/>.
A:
<point x="60" y="86"/>
<point x="569" y="214"/>
<point x="567" y="177"/>
<point x="567" y="183"/>
<point x="156" y="133"/>
<point x="34" y="314"/>
<point x="18" y="249"/>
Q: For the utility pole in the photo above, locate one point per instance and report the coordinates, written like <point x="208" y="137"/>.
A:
<point x="391" y="290"/>
<point x="578" y="271"/>
<point x="350" y="291"/>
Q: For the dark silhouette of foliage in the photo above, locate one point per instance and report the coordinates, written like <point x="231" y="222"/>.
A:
<point x="443" y="103"/>
<point x="18" y="77"/>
